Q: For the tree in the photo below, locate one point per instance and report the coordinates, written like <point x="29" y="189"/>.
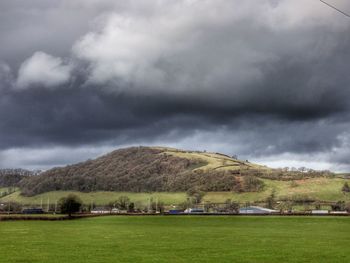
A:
<point x="252" y="184"/>
<point x="70" y="204"/>
<point x="347" y="207"/>
<point x="346" y="188"/>
<point x="157" y="206"/>
<point x="131" y="207"/>
<point x="339" y="206"/>
<point x="317" y="205"/>
<point x="123" y="202"/>
<point x="271" y="199"/>
<point x="231" y="206"/>
<point x="195" y="195"/>
<point x="286" y="206"/>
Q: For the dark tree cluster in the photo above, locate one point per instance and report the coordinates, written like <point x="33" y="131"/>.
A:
<point x="287" y="174"/>
<point x="70" y="204"/>
<point x="136" y="169"/>
<point x="12" y="177"/>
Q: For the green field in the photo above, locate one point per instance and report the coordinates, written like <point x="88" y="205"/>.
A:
<point x="177" y="239"/>
<point x="97" y="198"/>
<point x="323" y="189"/>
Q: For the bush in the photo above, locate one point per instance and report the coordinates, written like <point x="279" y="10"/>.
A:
<point x="11" y="207"/>
<point x="252" y="184"/>
<point x="195" y="195"/>
<point x="271" y="200"/>
<point x="231" y="206"/>
<point x="346" y="188"/>
<point x="347" y="207"/>
<point x="339" y="206"/>
<point x="70" y="204"/>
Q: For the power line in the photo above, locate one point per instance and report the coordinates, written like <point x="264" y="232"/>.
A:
<point x="335" y="8"/>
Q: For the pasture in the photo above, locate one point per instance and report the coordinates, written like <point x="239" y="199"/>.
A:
<point x="177" y="239"/>
<point x="323" y="189"/>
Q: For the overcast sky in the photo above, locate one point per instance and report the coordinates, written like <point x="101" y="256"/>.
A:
<point x="268" y="80"/>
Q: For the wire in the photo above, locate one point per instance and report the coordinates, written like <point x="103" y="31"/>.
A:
<point x="335" y="8"/>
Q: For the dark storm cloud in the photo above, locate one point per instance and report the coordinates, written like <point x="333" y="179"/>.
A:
<point x="260" y="80"/>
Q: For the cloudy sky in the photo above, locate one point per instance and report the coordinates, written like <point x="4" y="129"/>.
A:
<point x="268" y="80"/>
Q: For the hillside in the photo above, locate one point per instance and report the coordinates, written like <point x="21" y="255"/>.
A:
<point x="159" y="169"/>
<point x="12" y="177"/>
<point x="143" y="169"/>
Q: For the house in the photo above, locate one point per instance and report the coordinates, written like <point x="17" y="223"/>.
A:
<point x="175" y="211"/>
<point x="194" y="211"/>
<point x="338" y="212"/>
<point x="32" y="211"/>
<point x="319" y="212"/>
<point x="256" y="210"/>
<point x="115" y="211"/>
<point x="100" y="210"/>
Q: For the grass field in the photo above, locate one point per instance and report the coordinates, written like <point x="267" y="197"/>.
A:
<point x="177" y="239"/>
<point x="324" y="189"/>
<point x="98" y="198"/>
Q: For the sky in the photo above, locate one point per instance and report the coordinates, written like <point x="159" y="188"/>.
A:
<point x="265" y="80"/>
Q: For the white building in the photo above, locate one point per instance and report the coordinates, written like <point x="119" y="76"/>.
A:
<point x="257" y="210"/>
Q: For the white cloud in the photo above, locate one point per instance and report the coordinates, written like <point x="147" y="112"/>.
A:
<point x="44" y="70"/>
<point x="175" y="46"/>
<point x="190" y="45"/>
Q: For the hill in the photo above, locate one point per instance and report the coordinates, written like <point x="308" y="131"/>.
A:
<point x="12" y="177"/>
<point x="142" y="169"/>
<point x="159" y="169"/>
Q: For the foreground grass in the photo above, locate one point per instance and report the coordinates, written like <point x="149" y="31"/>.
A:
<point x="177" y="239"/>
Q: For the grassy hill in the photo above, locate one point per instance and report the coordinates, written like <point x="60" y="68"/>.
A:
<point x="144" y="169"/>
<point x="166" y="174"/>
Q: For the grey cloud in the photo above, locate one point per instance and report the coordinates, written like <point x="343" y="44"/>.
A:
<point x="256" y="79"/>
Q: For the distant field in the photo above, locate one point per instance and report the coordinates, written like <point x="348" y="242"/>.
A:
<point x="177" y="239"/>
<point x="324" y="189"/>
<point x="98" y="198"/>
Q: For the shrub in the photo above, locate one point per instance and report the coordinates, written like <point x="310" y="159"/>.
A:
<point x="252" y="184"/>
<point x="70" y="204"/>
<point x="346" y="188"/>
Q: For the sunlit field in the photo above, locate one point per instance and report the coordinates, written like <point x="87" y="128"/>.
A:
<point x="177" y="239"/>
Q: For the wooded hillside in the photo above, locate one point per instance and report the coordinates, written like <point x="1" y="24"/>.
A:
<point x="146" y="169"/>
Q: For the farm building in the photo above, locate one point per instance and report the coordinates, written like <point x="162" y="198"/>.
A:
<point x="256" y="210"/>
<point x="32" y="211"/>
<point x="194" y="211"/>
<point x="100" y="210"/>
<point x="115" y="211"/>
<point x="175" y="211"/>
<point x="338" y="212"/>
<point x="319" y="212"/>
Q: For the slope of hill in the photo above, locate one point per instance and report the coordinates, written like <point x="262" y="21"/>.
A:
<point x="12" y="177"/>
<point x="159" y="169"/>
<point x="141" y="169"/>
